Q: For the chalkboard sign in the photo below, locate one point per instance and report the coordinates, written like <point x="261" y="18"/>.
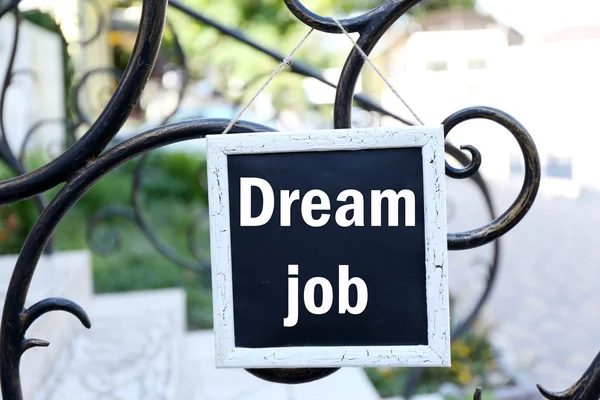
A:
<point x="329" y="248"/>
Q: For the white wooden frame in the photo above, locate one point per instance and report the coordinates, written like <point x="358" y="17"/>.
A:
<point x="430" y="139"/>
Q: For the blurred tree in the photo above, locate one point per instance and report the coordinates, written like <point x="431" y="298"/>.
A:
<point x="270" y="22"/>
<point x="229" y="64"/>
<point x="433" y="5"/>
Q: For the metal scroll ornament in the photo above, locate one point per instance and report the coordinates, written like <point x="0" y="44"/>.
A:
<point x="86" y="162"/>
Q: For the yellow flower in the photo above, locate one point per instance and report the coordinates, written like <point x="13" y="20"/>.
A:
<point x="462" y="350"/>
<point x="456" y="366"/>
<point x="464" y="376"/>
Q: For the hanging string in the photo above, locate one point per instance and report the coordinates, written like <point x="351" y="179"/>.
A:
<point x="368" y="60"/>
<point x="288" y="61"/>
<point x="285" y="63"/>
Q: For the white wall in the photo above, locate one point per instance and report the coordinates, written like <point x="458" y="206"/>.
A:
<point x="551" y="88"/>
<point x="33" y="98"/>
<point x="435" y="92"/>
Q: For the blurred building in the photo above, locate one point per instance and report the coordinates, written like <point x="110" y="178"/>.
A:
<point x="451" y="59"/>
<point x="39" y="95"/>
<point x="36" y="91"/>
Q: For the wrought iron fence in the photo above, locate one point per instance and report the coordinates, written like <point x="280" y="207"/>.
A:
<point x="87" y="159"/>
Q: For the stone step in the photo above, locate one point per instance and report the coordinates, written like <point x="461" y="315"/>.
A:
<point x="63" y="274"/>
<point x="201" y="380"/>
<point x="132" y="352"/>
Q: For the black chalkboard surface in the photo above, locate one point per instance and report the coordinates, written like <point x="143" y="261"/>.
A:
<point x="390" y="259"/>
<point x="325" y="245"/>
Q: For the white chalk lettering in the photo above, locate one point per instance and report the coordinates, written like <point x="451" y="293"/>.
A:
<point x="344" y="281"/>
<point x="315" y="206"/>
<point x="357" y="207"/>
<point x="308" y="206"/>
<point x="246" y="184"/>
<point x="362" y="293"/>
<point x="393" y="198"/>
<point x="292" y="318"/>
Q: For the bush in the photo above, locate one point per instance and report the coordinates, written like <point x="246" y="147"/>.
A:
<point x="16" y="221"/>
<point x="172" y="196"/>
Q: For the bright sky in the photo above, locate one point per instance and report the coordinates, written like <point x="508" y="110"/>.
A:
<point x="541" y="16"/>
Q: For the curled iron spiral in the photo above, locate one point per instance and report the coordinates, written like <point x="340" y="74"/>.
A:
<point x="87" y="161"/>
<point x="107" y="125"/>
<point x="135" y="214"/>
<point x="100" y="23"/>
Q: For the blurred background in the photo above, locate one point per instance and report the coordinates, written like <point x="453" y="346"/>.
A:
<point x="145" y="224"/>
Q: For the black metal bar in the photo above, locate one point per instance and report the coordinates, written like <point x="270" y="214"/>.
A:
<point x="586" y="388"/>
<point x="86" y="162"/>
<point x="7" y="6"/>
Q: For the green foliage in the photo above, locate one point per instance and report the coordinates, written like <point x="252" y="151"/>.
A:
<point x="120" y="58"/>
<point x="473" y="360"/>
<point x="186" y="187"/>
<point x="229" y="63"/>
<point x="434" y="5"/>
<point x="167" y="177"/>
<point x="267" y="21"/>
<point x="172" y="197"/>
<point x="16" y="220"/>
